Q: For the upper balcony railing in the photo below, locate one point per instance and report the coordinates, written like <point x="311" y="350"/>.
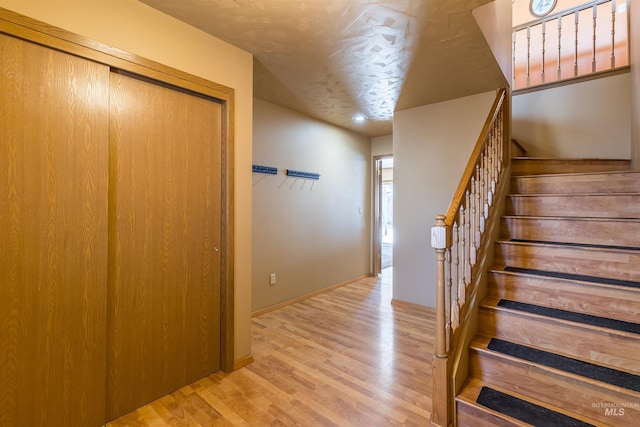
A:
<point x="587" y="39"/>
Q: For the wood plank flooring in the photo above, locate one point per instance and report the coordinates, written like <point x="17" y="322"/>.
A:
<point x="343" y="358"/>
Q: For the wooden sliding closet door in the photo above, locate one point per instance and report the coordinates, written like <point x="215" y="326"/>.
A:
<point x="164" y="230"/>
<point x="53" y="236"/>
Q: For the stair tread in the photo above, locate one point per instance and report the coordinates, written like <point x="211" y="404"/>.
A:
<point x="473" y="387"/>
<point x="559" y="364"/>
<point x="573" y="244"/>
<point x="586" y="246"/>
<point x="589" y="297"/>
<point x="599" y="344"/>
<point x="576" y="182"/>
<point x="543" y="165"/>
<point x="580" y="279"/>
<point x="524" y="410"/>
<point x="615" y="232"/>
<point x="603" y="262"/>
<point x="609" y="172"/>
<point x="493" y="303"/>
<point x="570" y="159"/>
<point x="571" y="316"/>
<point x="571" y="218"/>
<point x="574" y="392"/>
<point x="483" y="415"/>
<point x="573" y="366"/>
<point x="594" y="194"/>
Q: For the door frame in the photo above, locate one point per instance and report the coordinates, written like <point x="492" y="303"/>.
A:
<point x="377" y="213"/>
<point x="31" y="30"/>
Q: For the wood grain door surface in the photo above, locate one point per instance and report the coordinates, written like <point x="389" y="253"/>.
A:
<point x="110" y="228"/>
<point x="53" y="226"/>
<point x="164" y="233"/>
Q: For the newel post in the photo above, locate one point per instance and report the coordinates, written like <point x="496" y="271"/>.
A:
<point x="441" y="404"/>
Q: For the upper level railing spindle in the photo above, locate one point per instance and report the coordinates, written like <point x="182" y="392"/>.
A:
<point x="513" y="59"/>
<point x="577" y="42"/>
<point x="595" y="30"/>
<point x="528" y="56"/>
<point x="559" y="48"/>
<point x="590" y="21"/>
<point x="544" y="39"/>
<point x="613" y="34"/>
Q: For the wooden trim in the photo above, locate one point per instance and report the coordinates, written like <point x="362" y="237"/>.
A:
<point x="516" y="146"/>
<point x="501" y="95"/>
<point x="377" y="217"/>
<point x="227" y="303"/>
<point x="572" y="80"/>
<point x="306" y="296"/>
<point x="31" y="30"/>
<point x="245" y="361"/>
<point x="410" y="305"/>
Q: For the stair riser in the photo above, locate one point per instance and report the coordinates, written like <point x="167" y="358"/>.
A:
<point x="582" y="183"/>
<point x="585" y="231"/>
<point x="552" y="166"/>
<point x="566" y="391"/>
<point x="605" y="301"/>
<point x="614" y="264"/>
<point x="580" y="206"/>
<point x="616" y="350"/>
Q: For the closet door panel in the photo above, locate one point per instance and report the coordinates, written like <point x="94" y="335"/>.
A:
<point x="164" y="263"/>
<point x="53" y="245"/>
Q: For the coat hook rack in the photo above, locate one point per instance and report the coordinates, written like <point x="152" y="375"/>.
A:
<point x="301" y="174"/>
<point x="265" y="169"/>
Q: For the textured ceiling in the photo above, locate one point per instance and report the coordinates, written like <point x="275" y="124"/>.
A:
<point x="333" y="59"/>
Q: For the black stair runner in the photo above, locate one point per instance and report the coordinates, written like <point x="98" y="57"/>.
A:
<point x="580" y="277"/>
<point x="567" y="364"/>
<point x="579" y="245"/>
<point x="522" y="410"/>
<point x="588" y="319"/>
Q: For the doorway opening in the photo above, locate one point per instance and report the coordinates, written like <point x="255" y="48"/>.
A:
<point x="383" y="232"/>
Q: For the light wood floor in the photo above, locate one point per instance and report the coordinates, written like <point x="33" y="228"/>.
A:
<point x="343" y="358"/>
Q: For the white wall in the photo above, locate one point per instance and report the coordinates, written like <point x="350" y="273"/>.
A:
<point x="134" y="27"/>
<point x="431" y="147"/>
<point x="494" y="20"/>
<point x="312" y="234"/>
<point x="382" y="145"/>
<point x="588" y="119"/>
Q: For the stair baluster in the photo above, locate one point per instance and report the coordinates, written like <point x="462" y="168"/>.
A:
<point x="461" y="256"/>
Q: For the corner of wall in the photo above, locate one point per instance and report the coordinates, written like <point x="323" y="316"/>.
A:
<point x="494" y="20"/>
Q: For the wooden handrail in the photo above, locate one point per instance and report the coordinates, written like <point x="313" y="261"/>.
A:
<point x="473" y="160"/>
<point x="459" y="239"/>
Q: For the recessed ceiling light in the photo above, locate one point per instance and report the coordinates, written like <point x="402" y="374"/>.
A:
<point x="359" y="118"/>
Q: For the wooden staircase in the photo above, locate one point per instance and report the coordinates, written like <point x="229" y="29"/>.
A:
<point x="559" y="340"/>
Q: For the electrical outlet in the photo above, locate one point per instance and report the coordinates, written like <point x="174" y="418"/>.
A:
<point x="272" y="279"/>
